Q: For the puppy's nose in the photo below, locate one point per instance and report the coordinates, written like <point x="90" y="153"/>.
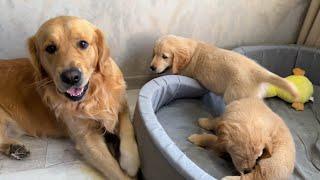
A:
<point x="152" y="68"/>
<point x="71" y="76"/>
<point x="246" y="171"/>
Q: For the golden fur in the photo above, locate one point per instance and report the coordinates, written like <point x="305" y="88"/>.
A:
<point x="221" y="71"/>
<point x="32" y="99"/>
<point x="257" y="139"/>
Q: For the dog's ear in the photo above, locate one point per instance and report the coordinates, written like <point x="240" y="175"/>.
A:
<point x="34" y="58"/>
<point x="267" y="151"/>
<point x="103" y="51"/>
<point x="223" y="129"/>
<point x="181" y="58"/>
<point x="227" y="131"/>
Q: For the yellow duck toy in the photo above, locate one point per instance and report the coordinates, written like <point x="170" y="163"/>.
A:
<point x="303" y="85"/>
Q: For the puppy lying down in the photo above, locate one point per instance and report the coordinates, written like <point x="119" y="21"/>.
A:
<point x="221" y="71"/>
<point x="258" y="141"/>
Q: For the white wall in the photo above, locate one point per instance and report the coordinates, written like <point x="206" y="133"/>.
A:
<point x="131" y="26"/>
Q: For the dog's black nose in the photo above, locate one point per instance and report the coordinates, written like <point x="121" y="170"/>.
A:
<point x="71" y="76"/>
<point x="246" y="171"/>
<point x="152" y="68"/>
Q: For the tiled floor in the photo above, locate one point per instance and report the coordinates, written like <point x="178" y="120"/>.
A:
<point x="54" y="159"/>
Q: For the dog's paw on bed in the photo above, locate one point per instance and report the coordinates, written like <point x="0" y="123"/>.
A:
<point x="18" y="151"/>
<point x="195" y="139"/>
<point x="205" y="123"/>
<point x="231" y="178"/>
<point x="129" y="157"/>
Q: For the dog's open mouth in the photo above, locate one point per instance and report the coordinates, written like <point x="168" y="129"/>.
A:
<point x="76" y="93"/>
<point x="164" y="71"/>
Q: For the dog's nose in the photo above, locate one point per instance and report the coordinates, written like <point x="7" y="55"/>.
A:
<point x="71" y="76"/>
<point x="246" y="171"/>
<point x="152" y="68"/>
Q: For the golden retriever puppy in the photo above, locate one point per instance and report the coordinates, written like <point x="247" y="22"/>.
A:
<point x="70" y="87"/>
<point x="258" y="141"/>
<point x="221" y="71"/>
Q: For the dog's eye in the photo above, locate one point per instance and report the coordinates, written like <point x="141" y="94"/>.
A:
<point x="51" y="49"/>
<point x="164" y="56"/>
<point x="83" y="44"/>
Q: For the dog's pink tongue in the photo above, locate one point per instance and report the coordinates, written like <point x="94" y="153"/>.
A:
<point x="75" y="91"/>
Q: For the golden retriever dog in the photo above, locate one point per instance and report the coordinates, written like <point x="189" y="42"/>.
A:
<point x="221" y="71"/>
<point x="70" y="87"/>
<point x="259" y="142"/>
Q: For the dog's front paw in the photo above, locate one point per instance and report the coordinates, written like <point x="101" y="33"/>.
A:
<point x="194" y="138"/>
<point x="205" y="123"/>
<point x="231" y="178"/>
<point x="18" y="151"/>
<point x="129" y="157"/>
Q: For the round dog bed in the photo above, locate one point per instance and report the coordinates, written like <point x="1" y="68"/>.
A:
<point x="168" y="108"/>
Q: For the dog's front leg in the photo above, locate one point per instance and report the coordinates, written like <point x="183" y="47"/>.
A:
<point x="129" y="156"/>
<point x="90" y="142"/>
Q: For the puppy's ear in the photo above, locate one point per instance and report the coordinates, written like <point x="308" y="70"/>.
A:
<point x="267" y="151"/>
<point x="221" y="128"/>
<point x="181" y="58"/>
<point x="225" y="128"/>
<point x="34" y="58"/>
<point x="103" y="51"/>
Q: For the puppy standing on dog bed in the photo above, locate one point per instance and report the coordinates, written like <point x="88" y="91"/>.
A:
<point x="258" y="141"/>
<point x="221" y="71"/>
<point x="72" y="87"/>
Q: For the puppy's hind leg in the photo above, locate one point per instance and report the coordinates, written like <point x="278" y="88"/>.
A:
<point x="8" y="145"/>
<point x="235" y="92"/>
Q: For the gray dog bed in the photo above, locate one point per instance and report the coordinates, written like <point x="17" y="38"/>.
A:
<point x="169" y="106"/>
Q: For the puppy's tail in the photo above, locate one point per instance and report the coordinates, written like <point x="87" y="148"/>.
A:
<point x="264" y="75"/>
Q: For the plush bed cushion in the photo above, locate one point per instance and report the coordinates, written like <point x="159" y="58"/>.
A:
<point x="282" y="59"/>
<point x="179" y="117"/>
<point x="169" y="106"/>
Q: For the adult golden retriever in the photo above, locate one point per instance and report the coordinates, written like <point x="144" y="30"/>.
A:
<point x="258" y="141"/>
<point x="71" y="87"/>
<point x="221" y="71"/>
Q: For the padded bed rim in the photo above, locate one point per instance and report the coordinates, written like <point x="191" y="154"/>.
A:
<point x="160" y="138"/>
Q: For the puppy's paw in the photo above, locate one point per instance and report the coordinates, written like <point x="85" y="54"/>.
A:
<point x="205" y="123"/>
<point x="231" y="178"/>
<point x="195" y="139"/>
<point x="129" y="157"/>
<point x="298" y="106"/>
<point x="18" y="151"/>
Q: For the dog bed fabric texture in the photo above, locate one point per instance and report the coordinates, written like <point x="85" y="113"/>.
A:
<point x="168" y="108"/>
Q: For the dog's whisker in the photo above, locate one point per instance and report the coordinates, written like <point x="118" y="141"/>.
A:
<point x="44" y="83"/>
<point x="41" y="82"/>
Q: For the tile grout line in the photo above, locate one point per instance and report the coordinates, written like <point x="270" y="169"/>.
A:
<point x="45" y="161"/>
